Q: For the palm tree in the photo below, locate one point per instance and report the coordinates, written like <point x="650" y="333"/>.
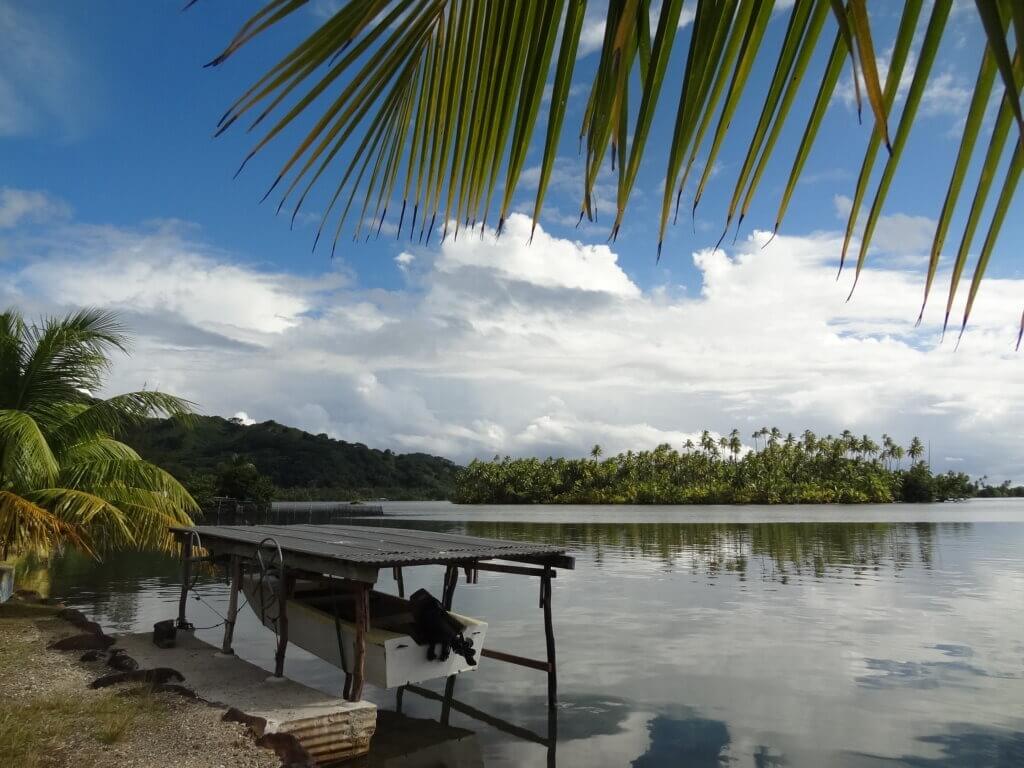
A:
<point x="595" y="452"/>
<point x="916" y="449"/>
<point x="442" y="98"/>
<point x="735" y="444"/>
<point x="64" y="477"/>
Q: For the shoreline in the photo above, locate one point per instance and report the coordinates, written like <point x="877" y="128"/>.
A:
<point x="56" y="716"/>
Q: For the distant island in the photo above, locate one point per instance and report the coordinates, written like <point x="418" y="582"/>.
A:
<point x="779" y="470"/>
<point x="215" y="456"/>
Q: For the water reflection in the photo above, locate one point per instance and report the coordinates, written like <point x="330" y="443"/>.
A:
<point x="765" y="644"/>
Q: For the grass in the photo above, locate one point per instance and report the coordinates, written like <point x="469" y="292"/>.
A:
<point x="49" y="729"/>
<point x="34" y="733"/>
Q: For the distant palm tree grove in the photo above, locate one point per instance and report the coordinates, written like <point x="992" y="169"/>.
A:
<point x="780" y="469"/>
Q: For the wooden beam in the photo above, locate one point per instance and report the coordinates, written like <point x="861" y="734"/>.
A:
<point x="549" y="637"/>
<point x="483" y="717"/>
<point x="311" y="563"/>
<point x="451" y="580"/>
<point x="566" y="562"/>
<point x="512" y="658"/>
<point x="516" y="569"/>
<point x="397" y="573"/>
<point x="229" y="622"/>
<point x="362" y="621"/>
<point x="287" y="580"/>
<point x="186" y="578"/>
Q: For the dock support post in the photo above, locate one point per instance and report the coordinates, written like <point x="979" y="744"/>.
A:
<point x="362" y="618"/>
<point x="282" y="621"/>
<point x="397" y="573"/>
<point x="451" y="580"/>
<point x="446" y="704"/>
<point x="549" y="637"/>
<point x="229" y="622"/>
<point x="186" y="577"/>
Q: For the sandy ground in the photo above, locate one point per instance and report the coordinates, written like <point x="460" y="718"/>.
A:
<point x="171" y="729"/>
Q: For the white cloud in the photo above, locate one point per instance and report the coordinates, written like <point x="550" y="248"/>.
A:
<point x="503" y="347"/>
<point x="900" y="237"/>
<point x="18" y="205"/>
<point x="243" y="418"/>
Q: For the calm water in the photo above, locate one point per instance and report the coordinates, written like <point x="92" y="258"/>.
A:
<point x="699" y="637"/>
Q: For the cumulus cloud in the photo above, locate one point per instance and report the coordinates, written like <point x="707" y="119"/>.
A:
<point x="497" y="346"/>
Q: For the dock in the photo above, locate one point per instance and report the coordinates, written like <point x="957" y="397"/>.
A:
<point x="328" y="728"/>
<point x="348" y="559"/>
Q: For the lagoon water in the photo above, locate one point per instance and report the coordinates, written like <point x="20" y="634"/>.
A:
<point x="858" y="637"/>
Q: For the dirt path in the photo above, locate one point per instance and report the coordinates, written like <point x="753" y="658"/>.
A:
<point x="50" y="718"/>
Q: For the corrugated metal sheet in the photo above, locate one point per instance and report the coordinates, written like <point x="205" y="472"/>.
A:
<point x="380" y="547"/>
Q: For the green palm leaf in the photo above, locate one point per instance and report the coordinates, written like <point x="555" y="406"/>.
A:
<point x="441" y="98"/>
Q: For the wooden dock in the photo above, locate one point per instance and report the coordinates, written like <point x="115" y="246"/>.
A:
<point x="354" y="556"/>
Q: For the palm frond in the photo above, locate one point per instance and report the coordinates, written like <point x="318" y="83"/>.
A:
<point x="26" y="459"/>
<point x="66" y="357"/>
<point x="29" y="527"/>
<point x="437" y="101"/>
<point x="112" y="416"/>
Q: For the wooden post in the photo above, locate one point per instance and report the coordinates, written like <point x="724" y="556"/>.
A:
<point x="399" y="697"/>
<point x="362" y="617"/>
<point x="282" y="621"/>
<point x="549" y="637"/>
<point x="446" y="704"/>
<point x="229" y="623"/>
<point x="552" y="737"/>
<point x="186" y="577"/>
<point x="397" y="573"/>
<point x="451" y="580"/>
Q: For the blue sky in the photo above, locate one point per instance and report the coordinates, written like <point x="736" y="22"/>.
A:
<point x="108" y="168"/>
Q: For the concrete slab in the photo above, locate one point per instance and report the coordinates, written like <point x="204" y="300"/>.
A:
<point x="330" y="729"/>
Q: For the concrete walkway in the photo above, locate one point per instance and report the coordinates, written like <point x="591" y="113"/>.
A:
<point x="330" y="729"/>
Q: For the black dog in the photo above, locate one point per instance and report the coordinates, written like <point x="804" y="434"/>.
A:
<point x="435" y="626"/>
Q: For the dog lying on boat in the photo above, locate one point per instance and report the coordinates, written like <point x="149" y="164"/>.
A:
<point x="434" y="626"/>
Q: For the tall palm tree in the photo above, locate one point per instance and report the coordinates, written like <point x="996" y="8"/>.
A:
<point x="439" y="101"/>
<point x="64" y="477"/>
<point x="916" y="449"/>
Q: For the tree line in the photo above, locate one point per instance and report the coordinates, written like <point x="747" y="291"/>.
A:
<point x="780" y="469"/>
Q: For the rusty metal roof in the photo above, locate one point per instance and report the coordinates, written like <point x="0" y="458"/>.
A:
<point x="359" y="545"/>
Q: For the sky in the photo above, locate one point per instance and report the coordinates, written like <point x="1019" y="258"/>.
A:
<point x="114" y="193"/>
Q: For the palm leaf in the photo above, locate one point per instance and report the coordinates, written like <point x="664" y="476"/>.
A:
<point x="975" y="116"/>
<point x="868" y="66"/>
<point x="901" y="49"/>
<point x="437" y="101"/>
<point x="998" y="217"/>
<point x="25" y="455"/>
<point x="29" y="527"/>
<point x="929" y="49"/>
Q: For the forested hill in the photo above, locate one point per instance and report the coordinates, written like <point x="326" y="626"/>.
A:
<point x="301" y="465"/>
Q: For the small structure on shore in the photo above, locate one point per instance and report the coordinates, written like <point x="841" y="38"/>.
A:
<point x="314" y="585"/>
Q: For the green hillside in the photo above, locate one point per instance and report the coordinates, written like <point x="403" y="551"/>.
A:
<point x="301" y="465"/>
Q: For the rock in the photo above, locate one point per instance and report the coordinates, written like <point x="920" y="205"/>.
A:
<point x="83" y="642"/>
<point x="155" y="677"/>
<point x="121" y="661"/>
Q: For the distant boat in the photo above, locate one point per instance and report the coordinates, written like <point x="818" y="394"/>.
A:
<point x="392" y="657"/>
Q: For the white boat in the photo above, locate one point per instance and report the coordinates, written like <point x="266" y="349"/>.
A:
<point x="392" y="657"/>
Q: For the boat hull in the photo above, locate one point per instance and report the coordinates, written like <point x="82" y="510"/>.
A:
<point x="392" y="657"/>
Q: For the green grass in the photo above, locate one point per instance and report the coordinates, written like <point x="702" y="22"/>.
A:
<point x="46" y="730"/>
<point x="33" y="733"/>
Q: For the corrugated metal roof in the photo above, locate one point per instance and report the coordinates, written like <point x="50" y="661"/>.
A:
<point x="379" y="547"/>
